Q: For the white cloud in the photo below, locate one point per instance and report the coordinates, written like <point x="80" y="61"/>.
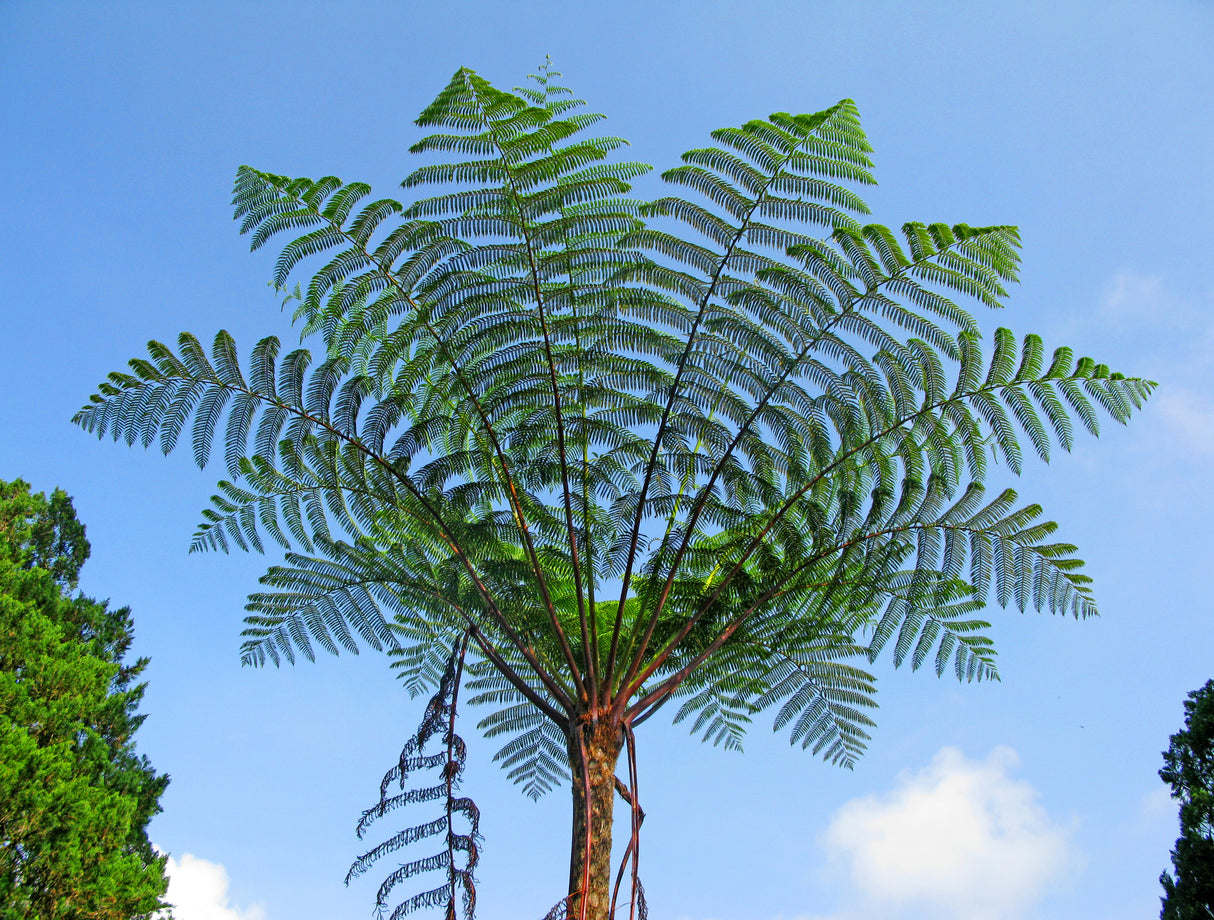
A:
<point x="960" y="838"/>
<point x="198" y="890"/>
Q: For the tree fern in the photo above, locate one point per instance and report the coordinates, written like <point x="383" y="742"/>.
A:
<point x="726" y="446"/>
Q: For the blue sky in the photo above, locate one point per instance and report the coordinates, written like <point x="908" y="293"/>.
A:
<point x="1088" y="124"/>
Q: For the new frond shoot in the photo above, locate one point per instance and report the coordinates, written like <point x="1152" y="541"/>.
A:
<point x="723" y="448"/>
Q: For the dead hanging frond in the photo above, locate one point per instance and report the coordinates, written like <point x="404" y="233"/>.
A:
<point x="641" y="906"/>
<point x="459" y="856"/>
<point x="560" y="910"/>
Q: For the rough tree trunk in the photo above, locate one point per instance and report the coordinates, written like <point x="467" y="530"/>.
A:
<point x="602" y="743"/>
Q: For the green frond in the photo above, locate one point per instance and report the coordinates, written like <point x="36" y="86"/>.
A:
<point x="715" y="446"/>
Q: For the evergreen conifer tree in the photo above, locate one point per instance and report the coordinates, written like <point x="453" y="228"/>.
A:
<point x="75" y="798"/>
<point x="1188" y="767"/>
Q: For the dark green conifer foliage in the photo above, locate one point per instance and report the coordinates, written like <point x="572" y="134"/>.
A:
<point x="721" y="448"/>
<point x="75" y="798"/>
<point x="1188" y="767"/>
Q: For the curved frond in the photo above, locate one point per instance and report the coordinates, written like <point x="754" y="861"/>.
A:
<point x="717" y="446"/>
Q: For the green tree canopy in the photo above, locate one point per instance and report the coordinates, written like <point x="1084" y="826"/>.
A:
<point x="721" y="448"/>
<point x="75" y="798"/>
<point x="1188" y="767"/>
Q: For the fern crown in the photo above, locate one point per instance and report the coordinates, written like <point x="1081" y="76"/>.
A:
<point x="721" y="448"/>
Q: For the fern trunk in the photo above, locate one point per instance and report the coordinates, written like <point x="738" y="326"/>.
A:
<point x="592" y="757"/>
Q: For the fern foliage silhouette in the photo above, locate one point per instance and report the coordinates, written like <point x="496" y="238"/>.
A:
<point x="719" y="449"/>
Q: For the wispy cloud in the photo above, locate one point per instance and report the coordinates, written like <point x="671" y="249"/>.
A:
<point x="1163" y="336"/>
<point x="198" y="890"/>
<point x="1188" y="417"/>
<point x="1158" y="803"/>
<point x="960" y="838"/>
<point x="1132" y="300"/>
